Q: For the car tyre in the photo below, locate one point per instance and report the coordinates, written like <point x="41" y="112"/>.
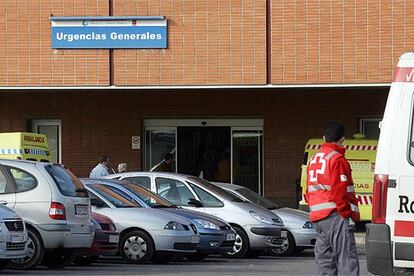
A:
<point x="196" y="257"/>
<point x="137" y="247"/>
<point x="287" y="248"/>
<point x="35" y="252"/>
<point x="85" y="260"/>
<point x="241" y="245"/>
<point x="57" y="259"/>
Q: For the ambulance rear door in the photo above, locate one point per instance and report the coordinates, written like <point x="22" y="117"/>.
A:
<point x="400" y="192"/>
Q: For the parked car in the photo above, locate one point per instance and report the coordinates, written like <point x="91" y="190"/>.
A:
<point x="13" y="235"/>
<point x="301" y="233"/>
<point x="257" y="228"/>
<point x="216" y="236"/>
<point x="146" y="234"/>
<point x="55" y="208"/>
<point x="105" y="242"/>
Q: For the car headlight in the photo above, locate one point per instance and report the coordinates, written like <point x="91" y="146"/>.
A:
<point x="260" y="217"/>
<point x="308" y="225"/>
<point x="173" y="225"/>
<point x="207" y="224"/>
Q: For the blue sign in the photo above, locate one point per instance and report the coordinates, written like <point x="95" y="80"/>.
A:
<point x="109" y="32"/>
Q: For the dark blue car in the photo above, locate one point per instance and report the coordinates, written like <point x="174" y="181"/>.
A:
<point x="216" y="236"/>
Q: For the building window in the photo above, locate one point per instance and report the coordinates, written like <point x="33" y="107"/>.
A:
<point x="370" y="127"/>
<point x="53" y="130"/>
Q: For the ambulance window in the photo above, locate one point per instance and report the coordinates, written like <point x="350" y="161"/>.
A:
<point x="24" y="181"/>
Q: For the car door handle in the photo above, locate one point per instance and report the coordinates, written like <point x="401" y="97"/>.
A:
<point x="3" y="202"/>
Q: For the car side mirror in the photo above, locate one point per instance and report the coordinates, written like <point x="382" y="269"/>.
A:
<point x="194" y="202"/>
<point x="97" y="202"/>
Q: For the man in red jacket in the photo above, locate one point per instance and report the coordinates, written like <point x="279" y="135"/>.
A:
<point x="333" y="205"/>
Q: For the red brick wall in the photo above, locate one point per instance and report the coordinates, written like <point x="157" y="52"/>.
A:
<point x="102" y="122"/>
<point x="26" y="54"/>
<point x="338" y="41"/>
<point x="209" y="42"/>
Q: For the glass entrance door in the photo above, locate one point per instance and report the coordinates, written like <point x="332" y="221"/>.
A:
<point x="158" y="142"/>
<point x="247" y="158"/>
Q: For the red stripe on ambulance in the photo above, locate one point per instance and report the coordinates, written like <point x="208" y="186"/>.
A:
<point x="364" y="199"/>
<point x="404" y="228"/>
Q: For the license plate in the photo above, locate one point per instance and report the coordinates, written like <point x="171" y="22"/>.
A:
<point x="283" y="234"/>
<point x="195" y="239"/>
<point x="113" y="239"/>
<point x="17" y="238"/>
<point x="81" y="210"/>
<point x="230" y="237"/>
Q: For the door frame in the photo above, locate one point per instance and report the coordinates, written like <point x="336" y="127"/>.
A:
<point x="50" y="122"/>
<point x="234" y="124"/>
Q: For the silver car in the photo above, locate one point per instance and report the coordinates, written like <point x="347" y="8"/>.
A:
<point x="146" y="234"/>
<point x="301" y="233"/>
<point x="55" y="207"/>
<point x="257" y="228"/>
<point x="13" y="236"/>
<point x="216" y="236"/>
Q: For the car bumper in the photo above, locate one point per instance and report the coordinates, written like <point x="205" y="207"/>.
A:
<point x="10" y="250"/>
<point x="304" y="237"/>
<point x="216" y="242"/>
<point x="104" y="243"/>
<point x="61" y="236"/>
<point x="176" y="241"/>
<point x="265" y="237"/>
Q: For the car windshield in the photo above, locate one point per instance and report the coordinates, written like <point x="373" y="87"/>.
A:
<point x="217" y="190"/>
<point x="115" y="197"/>
<point x="257" y="199"/>
<point x="67" y="183"/>
<point x="149" y="197"/>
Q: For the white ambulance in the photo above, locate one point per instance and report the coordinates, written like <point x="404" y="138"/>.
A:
<point x="390" y="236"/>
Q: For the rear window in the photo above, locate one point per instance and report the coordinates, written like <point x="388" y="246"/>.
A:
<point x="67" y="182"/>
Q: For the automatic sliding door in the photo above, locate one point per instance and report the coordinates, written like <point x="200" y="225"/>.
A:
<point x="158" y="142"/>
<point x="247" y="159"/>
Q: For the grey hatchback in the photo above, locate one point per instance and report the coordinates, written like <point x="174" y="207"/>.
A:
<point x="55" y="207"/>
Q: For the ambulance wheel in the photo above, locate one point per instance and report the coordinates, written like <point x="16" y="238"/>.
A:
<point x="287" y="247"/>
<point x="241" y="245"/>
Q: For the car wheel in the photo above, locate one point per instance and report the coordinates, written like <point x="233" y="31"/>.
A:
<point x="4" y="264"/>
<point x="241" y="245"/>
<point x="196" y="257"/>
<point x="34" y="255"/>
<point x="137" y="247"/>
<point x="287" y="247"/>
<point x="85" y="260"/>
<point x="59" y="258"/>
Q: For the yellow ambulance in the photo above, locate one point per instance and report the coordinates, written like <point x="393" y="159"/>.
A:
<point x="361" y="154"/>
<point x="25" y="146"/>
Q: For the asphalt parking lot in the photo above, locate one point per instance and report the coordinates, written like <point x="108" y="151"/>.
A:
<point x="302" y="264"/>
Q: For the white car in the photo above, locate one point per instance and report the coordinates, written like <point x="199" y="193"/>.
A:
<point x="301" y="233"/>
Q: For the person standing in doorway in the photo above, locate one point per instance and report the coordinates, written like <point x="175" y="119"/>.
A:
<point x="101" y="169"/>
<point x="165" y="165"/>
<point x="223" y="168"/>
<point x="333" y="205"/>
